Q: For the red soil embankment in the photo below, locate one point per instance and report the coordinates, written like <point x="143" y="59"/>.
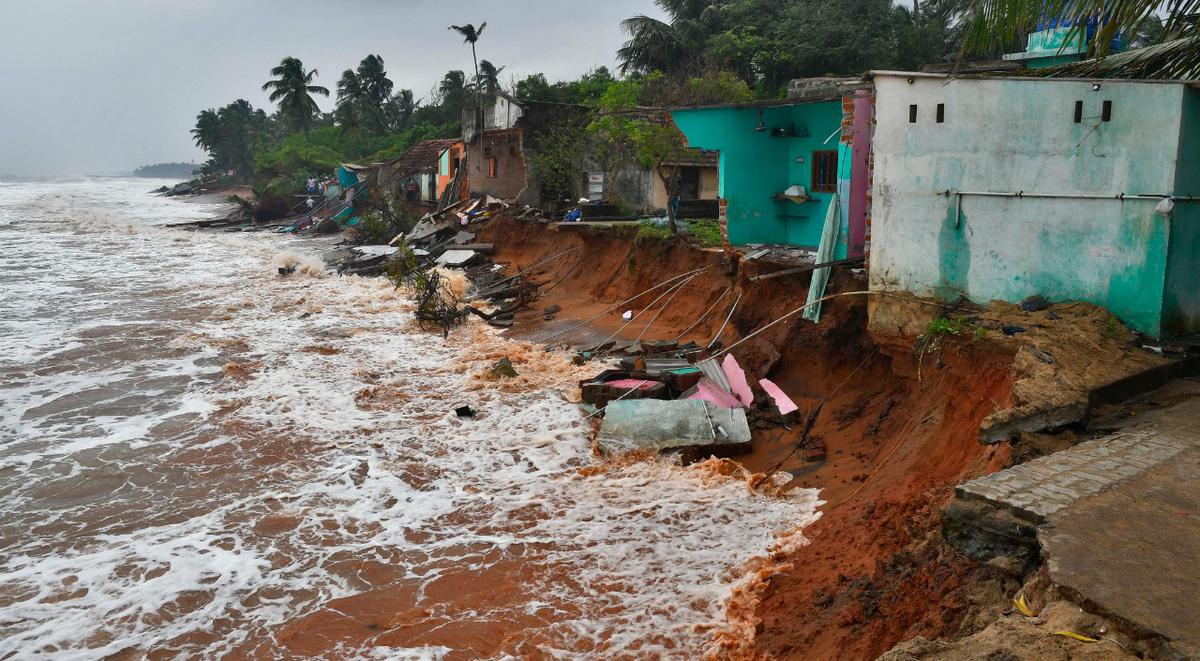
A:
<point x="876" y="571"/>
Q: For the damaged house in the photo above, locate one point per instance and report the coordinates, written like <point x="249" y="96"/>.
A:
<point x="784" y="163"/>
<point x="501" y="147"/>
<point x="1003" y="188"/>
<point x="416" y="176"/>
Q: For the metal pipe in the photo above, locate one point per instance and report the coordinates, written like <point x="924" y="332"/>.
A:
<point x="663" y="308"/>
<point x="675" y="287"/>
<point x="625" y="302"/>
<point x="1061" y="196"/>
<point x="724" y="325"/>
<point x="706" y="313"/>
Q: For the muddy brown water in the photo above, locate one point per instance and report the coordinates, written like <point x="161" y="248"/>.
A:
<point x="182" y="473"/>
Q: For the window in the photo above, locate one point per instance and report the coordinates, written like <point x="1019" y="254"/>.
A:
<point x="912" y="114"/>
<point x="824" y="171"/>
<point x="941" y="113"/>
<point x="1106" y="113"/>
<point x="492" y="167"/>
<point x="1079" y="112"/>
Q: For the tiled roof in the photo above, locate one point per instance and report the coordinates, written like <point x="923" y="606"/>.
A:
<point x="422" y="157"/>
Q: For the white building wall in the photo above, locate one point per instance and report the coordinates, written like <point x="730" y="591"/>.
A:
<point x="1004" y="135"/>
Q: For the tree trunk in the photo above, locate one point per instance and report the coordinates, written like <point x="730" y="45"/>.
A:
<point x="478" y="106"/>
<point x="670" y="177"/>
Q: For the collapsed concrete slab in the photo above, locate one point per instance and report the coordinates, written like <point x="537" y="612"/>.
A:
<point x="456" y="257"/>
<point x="1113" y="519"/>
<point x="696" y="427"/>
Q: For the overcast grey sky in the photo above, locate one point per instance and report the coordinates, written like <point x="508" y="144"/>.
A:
<point x="103" y="86"/>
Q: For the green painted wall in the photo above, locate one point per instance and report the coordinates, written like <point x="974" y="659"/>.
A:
<point x="1181" y="296"/>
<point x="755" y="166"/>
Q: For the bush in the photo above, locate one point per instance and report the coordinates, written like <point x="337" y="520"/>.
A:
<point x="375" y="229"/>
<point x="649" y="231"/>
<point x="707" y="232"/>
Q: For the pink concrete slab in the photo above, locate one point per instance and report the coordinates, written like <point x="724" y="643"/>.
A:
<point x="714" y="394"/>
<point x="737" y="380"/>
<point x="782" y="401"/>
<point x="630" y="384"/>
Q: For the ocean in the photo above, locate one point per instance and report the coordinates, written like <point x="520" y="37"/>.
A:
<point x="199" y="458"/>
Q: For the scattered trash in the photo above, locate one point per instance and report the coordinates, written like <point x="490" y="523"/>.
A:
<point x="504" y="369"/>
<point x="1077" y="636"/>
<point x="464" y="412"/>
<point x="1035" y="303"/>
<point x="1053" y="315"/>
<point x="464" y="237"/>
<point x="1041" y="355"/>
<point x="1013" y="329"/>
<point x="627" y="316"/>
<point x="553" y="309"/>
<point x="1023" y="607"/>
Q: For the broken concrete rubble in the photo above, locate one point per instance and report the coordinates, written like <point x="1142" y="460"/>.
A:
<point x="658" y="425"/>
<point x="456" y="257"/>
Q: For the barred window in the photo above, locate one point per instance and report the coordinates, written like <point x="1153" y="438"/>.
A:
<point x="824" y="171"/>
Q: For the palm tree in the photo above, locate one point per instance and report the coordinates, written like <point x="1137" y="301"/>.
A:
<point x="488" y="80"/>
<point x="399" y="110"/>
<point x="674" y="46"/>
<point x="376" y="84"/>
<point x="452" y="86"/>
<point x="292" y="87"/>
<point x="470" y="35"/>
<point x="1176" y="55"/>
<point x="350" y="89"/>
<point x="207" y="133"/>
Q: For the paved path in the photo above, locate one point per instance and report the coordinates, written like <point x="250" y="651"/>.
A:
<point x="1120" y="518"/>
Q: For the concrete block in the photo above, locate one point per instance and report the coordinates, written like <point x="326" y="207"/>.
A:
<point x="650" y="424"/>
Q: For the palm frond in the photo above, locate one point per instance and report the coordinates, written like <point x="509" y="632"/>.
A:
<point x="1175" y="59"/>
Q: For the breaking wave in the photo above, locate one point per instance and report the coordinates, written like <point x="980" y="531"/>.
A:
<point x="196" y="460"/>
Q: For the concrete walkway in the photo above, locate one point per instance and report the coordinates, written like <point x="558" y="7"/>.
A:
<point x="1119" y="518"/>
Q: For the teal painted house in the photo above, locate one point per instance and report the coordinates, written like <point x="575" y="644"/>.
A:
<point x="783" y="163"/>
<point x="1076" y="190"/>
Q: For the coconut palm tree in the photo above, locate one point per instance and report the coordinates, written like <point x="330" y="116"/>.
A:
<point x="207" y="133"/>
<point x="471" y="35"/>
<point x="399" y="110"/>
<point x="292" y="88"/>
<point x="488" y="80"/>
<point x="375" y="82"/>
<point x="672" y="46"/>
<point x="1177" y="55"/>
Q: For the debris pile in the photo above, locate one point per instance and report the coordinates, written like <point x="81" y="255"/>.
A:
<point x="680" y="398"/>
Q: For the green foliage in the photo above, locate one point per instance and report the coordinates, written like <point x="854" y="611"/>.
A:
<point x="1112" y="328"/>
<point x="559" y="158"/>
<point x="767" y="42"/>
<point x="587" y="90"/>
<point x="707" y="232"/>
<point x="374" y="229"/>
<point x="292" y="88"/>
<point x="648" y="232"/>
